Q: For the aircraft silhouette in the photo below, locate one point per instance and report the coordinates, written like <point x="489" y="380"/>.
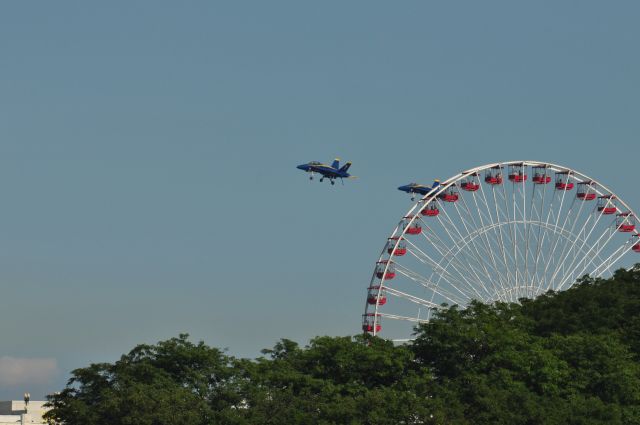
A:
<point x="331" y="172"/>
<point x="413" y="188"/>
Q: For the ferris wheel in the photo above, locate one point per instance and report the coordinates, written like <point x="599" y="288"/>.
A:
<point x="498" y="232"/>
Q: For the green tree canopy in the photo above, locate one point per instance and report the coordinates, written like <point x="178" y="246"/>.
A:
<point x="563" y="358"/>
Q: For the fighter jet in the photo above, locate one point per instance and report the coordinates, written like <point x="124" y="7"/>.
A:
<point x="416" y="188"/>
<point x="331" y="172"/>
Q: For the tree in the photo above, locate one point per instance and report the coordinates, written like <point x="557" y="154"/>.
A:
<point x="173" y="382"/>
<point x="563" y="358"/>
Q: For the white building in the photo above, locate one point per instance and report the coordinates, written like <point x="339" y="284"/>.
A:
<point x="13" y="412"/>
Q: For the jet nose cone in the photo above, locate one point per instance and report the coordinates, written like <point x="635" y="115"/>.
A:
<point x="302" y="167"/>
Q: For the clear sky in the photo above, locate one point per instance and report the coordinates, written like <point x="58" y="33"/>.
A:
<point x="148" y="151"/>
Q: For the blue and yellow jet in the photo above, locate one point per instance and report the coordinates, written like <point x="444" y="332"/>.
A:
<point x="413" y="188"/>
<point x="331" y="172"/>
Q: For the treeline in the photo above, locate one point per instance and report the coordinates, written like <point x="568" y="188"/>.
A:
<point x="564" y="358"/>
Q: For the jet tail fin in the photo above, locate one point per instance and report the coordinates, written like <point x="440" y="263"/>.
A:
<point x="345" y="167"/>
<point x="336" y="163"/>
<point x="436" y="183"/>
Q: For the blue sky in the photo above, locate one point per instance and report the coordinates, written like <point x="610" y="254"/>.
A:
<point x="148" y="153"/>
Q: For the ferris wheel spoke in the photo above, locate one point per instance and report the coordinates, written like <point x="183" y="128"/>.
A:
<point x="560" y="259"/>
<point x="557" y="214"/>
<point x="475" y="255"/>
<point x="542" y="236"/>
<point x="454" y="241"/>
<point x="534" y="214"/>
<point x="564" y="234"/>
<point x="512" y="233"/>
<point x="574" y="220"/>
<point x="533" y="240"/>
<point x="494" y="278"/>
<point x="522" y="230"/>
<point x="525" y="231"/>
<point x="519" y="230"/>
<point x="504" y="241"/>
<point x="497" y="235"/>
<point x="435" y="287"/>
<point x="593" y="253"/>
<point x="445" y="251"/>
<point x="540" y="258"/>
<point x="436" y="267"/>
<point x="563" y="254"/>
<point x="591" y="258"/>
<point x="406" y="318"/>
<point x="530" y="233"/>
<point x="506" y="254"/>
<point x="610" y="260"/>
<point x="573" y="274"/>
<point x="485" y="240"/>
<point x="542" y="246"/>
<point x="557" y="238"/>
<point x="454" y="251"/>
<point x="546" y="232"/>
<point x="554" y="214"/>
<point x="454" y="262"/>
<point x="578" y="249"/>
<point x="484" y="261"/>
<point x="456" y="256"/>
<point x="511" y="225"/>
<point x="409" y="297"/>
<point x="614" y="258"/>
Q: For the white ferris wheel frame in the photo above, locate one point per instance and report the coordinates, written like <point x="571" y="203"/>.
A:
<point x="412" y="215"/>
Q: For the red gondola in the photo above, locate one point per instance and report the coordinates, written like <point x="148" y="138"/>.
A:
<point x="411" y="227"/>
<point x="431" y="210"/>
<point x="470" y="183"/>
<point x="400" y="249"/>
<point x="606" y="205"/>
<point x="373" y="298"/>
<point x="368" y="321"/>
<point x="517" y="173"/>
<point x="586" y="191"/>
<point x="636" y="246"/>
<point x="562" y="181"/>
<point x="450" y="194"/>
<point x="385" y="270"/>
<point x="493" y="175"/>
<point x="541" y="175"/>
<point x="625" y="222"/>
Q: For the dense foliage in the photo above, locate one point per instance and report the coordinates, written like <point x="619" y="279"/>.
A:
<point x="564" y="358"/>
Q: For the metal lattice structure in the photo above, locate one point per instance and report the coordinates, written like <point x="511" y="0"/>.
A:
<point x="498" y="232"/>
